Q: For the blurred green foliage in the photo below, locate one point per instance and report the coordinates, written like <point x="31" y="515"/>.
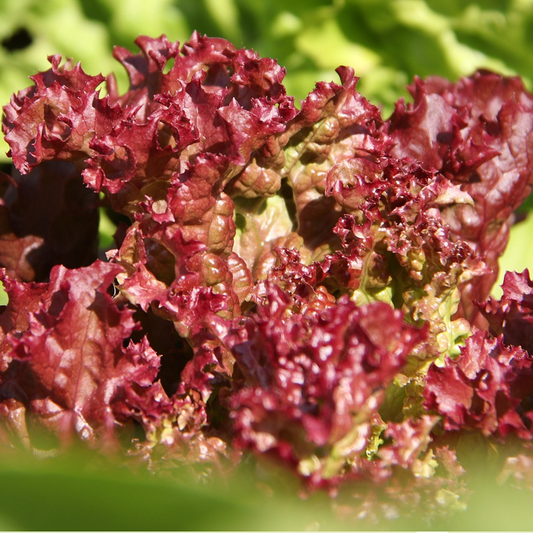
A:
<point x="388" y="42"/>
<point x="85" y="492"/>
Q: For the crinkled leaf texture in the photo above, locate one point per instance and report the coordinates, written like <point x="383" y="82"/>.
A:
<point x="313" y="382"/>
<point x="478" y="132"/>
<point x="487" y="388"/>
<point x="512" y="315"/>
<point x="68" y="361"/>
<point x="301" y="283"/>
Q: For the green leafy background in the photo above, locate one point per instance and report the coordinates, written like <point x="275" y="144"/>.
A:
<point x="388" y="42"/>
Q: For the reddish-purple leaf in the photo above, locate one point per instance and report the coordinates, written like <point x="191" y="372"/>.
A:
<point x="486" y="388"/>
<point x="478" y="133"/>
<point x="70" y="366"/>
<point x="311" y="381"/>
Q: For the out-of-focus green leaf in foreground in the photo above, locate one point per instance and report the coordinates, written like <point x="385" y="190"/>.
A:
<point x="70" y="493"/>
<point x="74" y="492"/>
<point x="66" y="495"/>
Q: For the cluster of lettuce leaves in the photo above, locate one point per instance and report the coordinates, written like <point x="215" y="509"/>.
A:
<point x="304" y="285"/>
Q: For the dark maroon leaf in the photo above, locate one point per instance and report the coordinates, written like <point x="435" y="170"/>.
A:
<point x="48" y="217"/>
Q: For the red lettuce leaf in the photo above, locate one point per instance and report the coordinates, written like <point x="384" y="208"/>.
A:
<point x="335" y="124"/>
<point x="512" y="315"/>
<point x="56" y="118"/>
<point x="487" y="388"/>
<point x="72" y="367"/>
<point x="283" y="280"/>
<point x="478" y="133"/>
<point x="312" y="381"/>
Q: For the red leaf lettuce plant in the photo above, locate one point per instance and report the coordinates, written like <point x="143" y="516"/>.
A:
<point x="309" y="285"/>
